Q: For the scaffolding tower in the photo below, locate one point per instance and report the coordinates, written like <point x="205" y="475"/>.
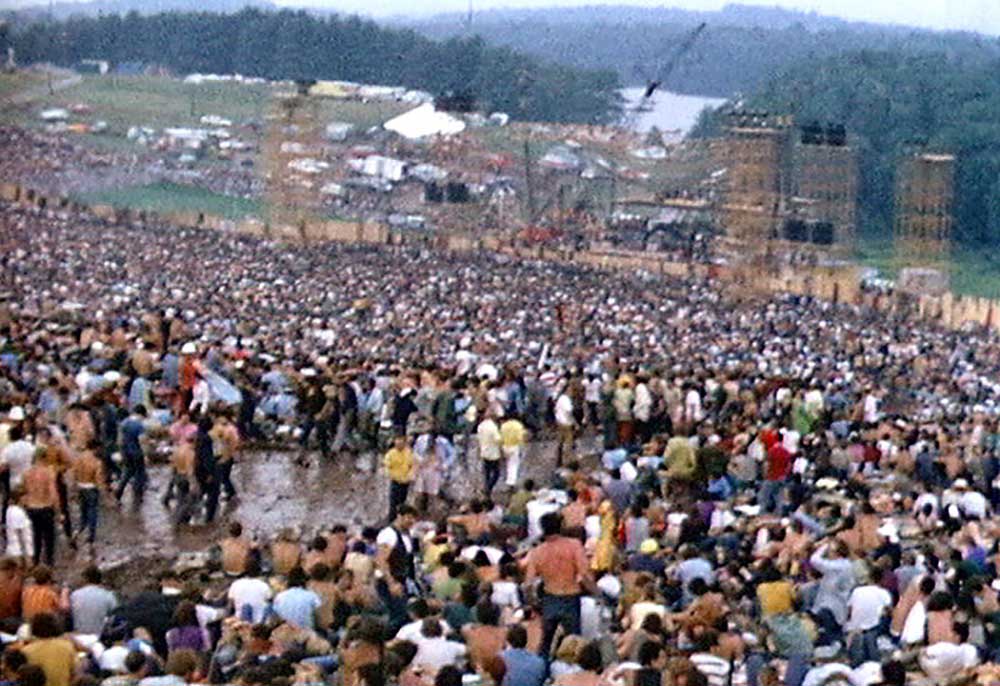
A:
<point x="824" y="188"/>
<point x="292" y="151"/>
<point x="754" y="155"/>
<point x="925" y="197"/>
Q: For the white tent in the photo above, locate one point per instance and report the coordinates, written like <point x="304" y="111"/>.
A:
<point x="425" y="121"/>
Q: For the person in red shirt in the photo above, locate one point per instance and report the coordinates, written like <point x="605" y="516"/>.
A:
<point x="778" y="469"/>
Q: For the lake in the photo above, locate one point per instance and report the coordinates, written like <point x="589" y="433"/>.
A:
<point x="670" y="112"/>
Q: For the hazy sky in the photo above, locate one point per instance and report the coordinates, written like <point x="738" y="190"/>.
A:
<point x="975" y="15"/>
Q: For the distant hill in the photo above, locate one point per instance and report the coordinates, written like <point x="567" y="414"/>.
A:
<point x="733" y="14"/>
<point x="298" y="45"/>
<point x="740" y="50"/>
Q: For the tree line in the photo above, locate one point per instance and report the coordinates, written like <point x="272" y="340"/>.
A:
<point x="297" y="45"/>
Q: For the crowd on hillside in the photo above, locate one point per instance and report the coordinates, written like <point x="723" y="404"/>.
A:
<point x="54" y="163"/>
<point x="739" y="491"/>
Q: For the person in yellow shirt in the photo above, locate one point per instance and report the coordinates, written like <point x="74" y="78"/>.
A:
<point x="400" y="466"/>
<point x="50" y="651"/>
<point x="775" y="594"/>
<point x="513" y="436"/>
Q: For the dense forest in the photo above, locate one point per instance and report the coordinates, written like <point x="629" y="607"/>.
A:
<point x="892" y="103"/>
<point x="740" y="50"/>
<point x="297" y="45"/>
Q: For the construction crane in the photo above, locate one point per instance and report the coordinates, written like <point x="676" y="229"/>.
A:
<point x="653" y="84"/>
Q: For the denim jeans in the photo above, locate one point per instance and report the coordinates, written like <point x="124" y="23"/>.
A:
<point x="863" y="647"/>
<point x="771" y="496"/>
<point x="135" y="471"/>
<point x="559" y="610"/>
<point x="491" y="474"/>
<point x="89" y="501"/>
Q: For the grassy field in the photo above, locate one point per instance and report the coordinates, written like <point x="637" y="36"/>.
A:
<point x="158" y="102"/>
<point x="973" y="272"/>
<point x="12" y="83"/>
<point x="168" y="197"/>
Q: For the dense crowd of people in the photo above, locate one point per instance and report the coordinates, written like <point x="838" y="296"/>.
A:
<point x="738" y="491"/>
<point x="54" y="163"/>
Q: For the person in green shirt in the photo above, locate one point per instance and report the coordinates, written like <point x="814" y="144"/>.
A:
<point x="517" y="507"/>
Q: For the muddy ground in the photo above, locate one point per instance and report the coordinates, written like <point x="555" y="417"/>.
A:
<point x="275" y="491"/>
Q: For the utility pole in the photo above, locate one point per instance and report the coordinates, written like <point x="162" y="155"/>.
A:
<point x="528" y="181"/>
<point x="52" y="29"/>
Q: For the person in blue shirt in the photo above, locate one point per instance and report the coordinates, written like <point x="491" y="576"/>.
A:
<point x="297" y="605"/>
<point x="134" y="461"/>
<point x="522" y="668"/>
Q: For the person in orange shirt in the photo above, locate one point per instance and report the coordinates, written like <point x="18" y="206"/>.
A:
<point x="43" y="596"/>
<point x="41" y="497"/>
<point x="188" y="376"/>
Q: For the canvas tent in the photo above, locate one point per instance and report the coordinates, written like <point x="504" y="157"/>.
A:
<point x="425" y="121"/>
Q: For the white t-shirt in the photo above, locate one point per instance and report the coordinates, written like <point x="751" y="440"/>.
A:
<point x="564" y="411"/>
<point x="866" y="606"/>
<point x="505" y="594"/>
<point x="790" y="440"/>
<point x="925" y="499"/>
<point x="411" y="632"/>
<point x="494" y="554"/>
<point x="435" y="653"/>
<point x="253" y="592"/>
<point x="643" y="405"/>
<point x="389" y="537"/>
<point x="872" y="414"/>
<point x="18" y="528"/>
<point x="17" y="457"/>
<point x="488" y="434"/>
<point x="692" y="405"/>
<point x="973" y="504"/>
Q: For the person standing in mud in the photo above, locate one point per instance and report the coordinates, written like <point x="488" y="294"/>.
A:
<point x="58" y="458"/>
<point x="206" y="468"/>
<point x="41" y="498"/>
<point x="401" y="467"/>
<point x="88" y="475"/>
<point x="132" y="430"/>
<point x="226" y="440"/>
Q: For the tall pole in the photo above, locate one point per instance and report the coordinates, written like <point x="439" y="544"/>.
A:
<point x="528" y="181"/>
<point x="52" y="28"/>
